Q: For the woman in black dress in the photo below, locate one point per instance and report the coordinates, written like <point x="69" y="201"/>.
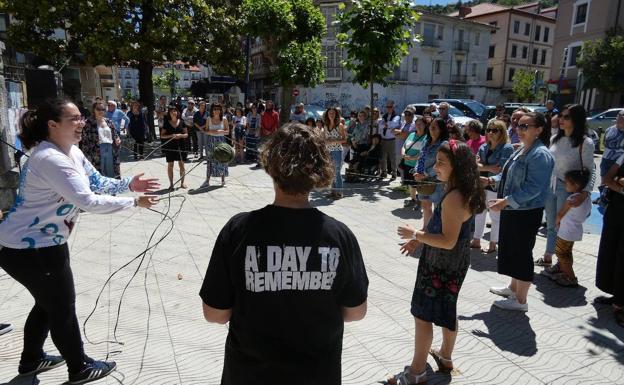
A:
<point x="173" y="135"/>
<point x="610" y="266"/>
<point x="137" y="128"/>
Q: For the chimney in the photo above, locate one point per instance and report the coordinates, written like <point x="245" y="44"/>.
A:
<point x="464" y="11"/>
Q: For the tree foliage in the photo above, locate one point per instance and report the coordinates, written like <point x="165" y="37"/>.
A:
<point x="167" y="80"/>
<point x="376" y="35"/>
<point x="523" y="85"/>
<point x="601" y="62"/>
<point x="138" y="33"/>
<point x="291" y="31"/>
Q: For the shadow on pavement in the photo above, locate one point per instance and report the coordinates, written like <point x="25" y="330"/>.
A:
<point x="23" y="380"/>
<point x="509" y="331"/>
<point x="480" y="261"/>
<point x="605" y="320"/>
<point x="204" y="190"/>
<point x="559" y="296"/>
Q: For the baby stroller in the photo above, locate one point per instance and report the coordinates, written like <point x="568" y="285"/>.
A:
<point x="364" y="163"/>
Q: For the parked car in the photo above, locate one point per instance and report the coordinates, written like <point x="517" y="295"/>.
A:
<point x="458" y="116"/>
<point x="469" y="107"/>
<point x="312" y="110"/>
<point x="488" y="113"/>
<point x="600" y="122"/>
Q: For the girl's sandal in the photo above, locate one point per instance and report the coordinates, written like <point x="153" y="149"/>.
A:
<point x="565" y="281"/>
<point x="444" y="364"/>
<point x="543" y="262"/>
<point x="406" y="377"/>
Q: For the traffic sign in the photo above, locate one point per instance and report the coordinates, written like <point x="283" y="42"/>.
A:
<point x="296" y="92"/>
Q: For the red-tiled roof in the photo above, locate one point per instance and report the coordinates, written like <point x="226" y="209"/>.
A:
<point x="482" y="9"/>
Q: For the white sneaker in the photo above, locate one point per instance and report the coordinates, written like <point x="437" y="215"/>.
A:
<point x="511" y="304"/>
<point x="503" y="291"/>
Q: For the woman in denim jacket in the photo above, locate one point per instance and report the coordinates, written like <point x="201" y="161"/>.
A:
<point x="491" y="157"/>
<point x="522" y="188"/>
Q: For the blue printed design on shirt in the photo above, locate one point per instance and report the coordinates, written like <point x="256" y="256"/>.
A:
<point x="19" y="199"/>
<point x="30" y="241"/>
<point x="102" y="184"/>
<point x="64" y="210"/>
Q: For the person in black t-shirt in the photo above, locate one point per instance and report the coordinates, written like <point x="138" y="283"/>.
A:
<point x="286" y="276"/>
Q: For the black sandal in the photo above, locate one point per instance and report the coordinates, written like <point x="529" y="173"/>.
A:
<point x="444" y="364"/>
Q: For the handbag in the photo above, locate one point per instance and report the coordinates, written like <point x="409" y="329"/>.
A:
<point x="402" y="164"/>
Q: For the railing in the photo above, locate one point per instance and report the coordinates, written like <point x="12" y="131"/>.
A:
<point x="430" y="43"/>
<point x="458" y="79"/>
<point x="462" y="46"/>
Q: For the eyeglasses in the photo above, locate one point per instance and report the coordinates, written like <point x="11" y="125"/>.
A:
<point x="566" y="116"/>
<point x="442" y="108"/>
<point x="492" y="130"/>
<point x="525" y="126"/>
<point x="389" y="106"/>
<point x="75" y="118"/>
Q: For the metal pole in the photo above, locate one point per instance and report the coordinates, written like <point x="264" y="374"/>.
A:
<point x="248" y="58"/>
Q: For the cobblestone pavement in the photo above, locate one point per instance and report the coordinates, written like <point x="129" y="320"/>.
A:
<point x="163" y="338"/>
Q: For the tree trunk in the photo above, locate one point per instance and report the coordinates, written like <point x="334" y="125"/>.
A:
<point x="370" y="128"/>
<point x="287" y="99"/>
<point x="146" y="91"/>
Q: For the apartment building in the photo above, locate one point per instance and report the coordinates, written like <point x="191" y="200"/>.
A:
<point x="129" y="77"/>
<point x="523" y="39"/>
<point x="579" y="21"/>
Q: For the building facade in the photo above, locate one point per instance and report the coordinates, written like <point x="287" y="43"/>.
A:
<point x="579" y="21"/>
<point x="523" y="39"/>
<point x="129" y="78"/>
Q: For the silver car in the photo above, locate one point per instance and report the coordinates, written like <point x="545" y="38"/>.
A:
<point x="600" y="122"/>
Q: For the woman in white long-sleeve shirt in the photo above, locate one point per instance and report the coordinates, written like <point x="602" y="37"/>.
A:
<point x="56" y="183"/>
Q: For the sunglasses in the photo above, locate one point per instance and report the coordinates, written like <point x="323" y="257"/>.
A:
<point x="408" y="114"/>
<point x="389" y="106"/>
<point x="492" y="130"/>
<point x="565" y="116"/>
<point x="525" y="126"/>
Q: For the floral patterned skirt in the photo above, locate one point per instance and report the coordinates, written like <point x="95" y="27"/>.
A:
<point x="440" y="276"/>
<point x="215" y="168"/>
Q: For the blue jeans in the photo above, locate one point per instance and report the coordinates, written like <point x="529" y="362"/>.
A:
<point x="106" y="160"/>
<point x="554" y="202"/>
<point x="337" y="157"/>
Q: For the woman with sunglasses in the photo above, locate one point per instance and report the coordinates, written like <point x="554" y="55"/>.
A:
<point x="572" y="149"/>
<point x="218" y="128"/>
<point x="173" y="134"/>
<point x="522" y="187"/>
<point x="56" y="183"/>
<point x="491" y="158"/>
<point x="100" y="142"/>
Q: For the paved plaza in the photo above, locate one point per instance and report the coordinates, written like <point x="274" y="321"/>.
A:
<point x="149" y="319"/>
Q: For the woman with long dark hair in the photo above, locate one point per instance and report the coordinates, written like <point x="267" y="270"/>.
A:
<point x="521" y="190"/>
<point x="217" y="129"/>
<point x="138" y="128"/>
<point x="100" y="142"/>
<point x="173" y="135"/>
<point x="56" y="183"/>
<point x="335" y="136"/>
<point x="444" y="260"/>
<point x="571" y="149"/>
<point x="425" y="170"/>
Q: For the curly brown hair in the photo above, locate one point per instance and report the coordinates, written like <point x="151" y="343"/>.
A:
<point x="297" y="159"/>
<point x="465" y="175"/>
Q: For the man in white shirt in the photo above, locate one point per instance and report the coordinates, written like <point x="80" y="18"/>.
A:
<point x="187" y="118"/>
<point x="390" y="122"/>
<point x="299" y="115"/>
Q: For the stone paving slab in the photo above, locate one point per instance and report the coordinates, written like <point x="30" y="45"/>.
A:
<point x="563" y="339"/>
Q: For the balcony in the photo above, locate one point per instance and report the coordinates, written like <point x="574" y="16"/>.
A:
<point x="461" y="46"/>
<point x="458" y="79"/>
<point x="430" y="43"/>
<point x="398" y="76"/>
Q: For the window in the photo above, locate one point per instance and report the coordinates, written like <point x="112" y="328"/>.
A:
<point x="474" y="69"/>
<point x="581" y="14"/>
<point x="489" y="74"/>
<point x="543" y="60"/>
<point x="512" y="72"/>
<point x="535" y="52"/>
<point x="538" y="31"/>
<point x="527" y="29"/>
<point x="437" y="67"/>
<point x="415" y="64"/>
<point x="459" y="65"/>
<point x="330" y="13"/>
<point x="546" y="33"/>
<point x="574" y="52"/>
<point x="525" y="52"/>
<point x="495" y="25"/>
<point x="333" y="54"/>
<point x="477" y="38"/>
<point x="514" y="50"/>
<point x="440" y="32"/>
<point x="516" y="26"/>
<point x="491" y="53"/>
<point x="428" y="34"/>
<point x="417" y="28"/>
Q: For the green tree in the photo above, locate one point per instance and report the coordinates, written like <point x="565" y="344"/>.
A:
<point x="524" y="85"/>
<point x="377" y="35"/>
<point x="138" y="33"/>
<point x="167" y="80"/>
<point x="291" y="31"/>
<point x="601" y="62"/>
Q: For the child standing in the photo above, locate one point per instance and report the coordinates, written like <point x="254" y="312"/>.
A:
<point x="570" y="223"/>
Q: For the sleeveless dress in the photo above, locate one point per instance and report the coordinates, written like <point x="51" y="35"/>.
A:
<point x="440" y="275"/>
<point x="215" y="168"/>
<point x="174" y="149"/>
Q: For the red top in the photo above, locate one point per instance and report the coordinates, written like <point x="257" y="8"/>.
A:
<point x="269" y="122"/>
<point x="475" y="144"/>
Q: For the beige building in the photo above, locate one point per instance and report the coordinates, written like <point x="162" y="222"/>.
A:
<point x="523" y="40"/>
<point x="579" y="21"/>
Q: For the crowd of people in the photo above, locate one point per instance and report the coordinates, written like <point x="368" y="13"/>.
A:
<point x="518" y="171"/>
